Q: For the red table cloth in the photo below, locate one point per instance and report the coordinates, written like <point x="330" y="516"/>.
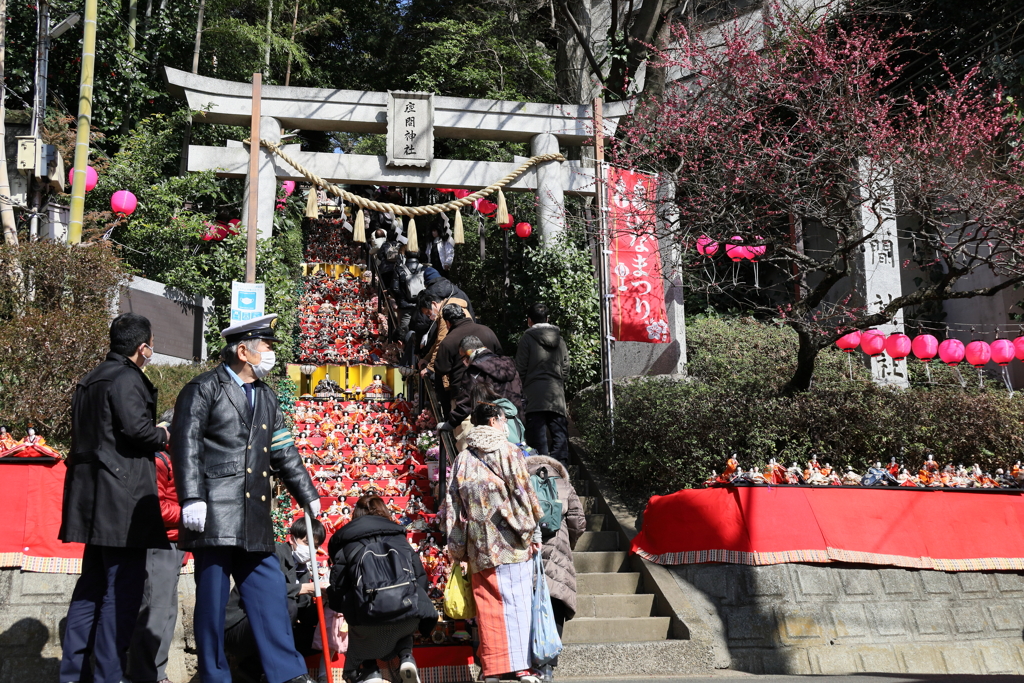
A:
<point x="32" y="495"/>
<point x="918" y="528"/>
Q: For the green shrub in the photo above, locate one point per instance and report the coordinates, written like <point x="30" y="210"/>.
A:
<point x="672" y="434"/>
<point x="169" y="380"/>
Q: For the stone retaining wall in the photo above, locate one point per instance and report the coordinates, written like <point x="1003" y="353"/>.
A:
<point x="32" y="611"/>
<point x="810" y="619"/>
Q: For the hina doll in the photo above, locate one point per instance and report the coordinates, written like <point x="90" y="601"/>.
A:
<point x="7" y="441"/>
<point x="774" y="472"/>
<point x="730" y="471"/>
<point x="893" y="468"/>
<point x="794" y="475"/>
<point x="32" y="445"/>
<point x="851" y="478"/>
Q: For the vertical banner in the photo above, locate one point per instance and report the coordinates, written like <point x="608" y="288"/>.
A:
<point x="635" y="280"/>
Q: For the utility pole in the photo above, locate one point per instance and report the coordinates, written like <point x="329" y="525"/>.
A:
<point x="6" y="210"/>
<point x="254" y="180"/>
<point x="84" y="123"/>
<point x="39" y="108"/>
<point x="602" y="267"/>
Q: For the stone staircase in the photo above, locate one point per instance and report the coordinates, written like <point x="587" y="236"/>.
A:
<point x="617" y="630"/>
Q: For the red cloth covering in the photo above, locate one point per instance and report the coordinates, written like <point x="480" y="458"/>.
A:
<point x="922" y="528"/>
<point x="33" y="494"/>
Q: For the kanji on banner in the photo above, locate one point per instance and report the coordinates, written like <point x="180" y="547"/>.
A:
<point x="638" y="303"/>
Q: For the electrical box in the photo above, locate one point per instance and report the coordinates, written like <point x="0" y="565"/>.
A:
<point x="29" y="149"/>
<point x="51" y="168"/>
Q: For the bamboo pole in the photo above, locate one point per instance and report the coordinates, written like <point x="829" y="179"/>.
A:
<point x="6" y="210"/>
<point x="84" y="123"/>
<point x="602" y="260"/>
<point x="254" y="180"/>
<point x="288" y="70"/>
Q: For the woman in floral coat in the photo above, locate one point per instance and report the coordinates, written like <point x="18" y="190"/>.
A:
<point x="492" y="515"/>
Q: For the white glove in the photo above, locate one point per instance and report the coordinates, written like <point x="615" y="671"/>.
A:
<point x="193" y="515"/>
<point x="314" y="507"/>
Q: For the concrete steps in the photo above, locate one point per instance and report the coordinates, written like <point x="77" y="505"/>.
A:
<point x="615" y="630"/>
<point x="600" y="563"/>
<point x="623" y="583"/>
<point x="609" y="606"/>
<point x="595" y="523"/>
<point x="597" y="541"/>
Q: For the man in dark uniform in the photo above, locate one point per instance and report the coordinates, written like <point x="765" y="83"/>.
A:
<point x="111" y="502"/>
<point x="228" y="437"/>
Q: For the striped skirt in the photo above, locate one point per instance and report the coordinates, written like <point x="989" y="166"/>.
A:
<point x="504" y="599"/>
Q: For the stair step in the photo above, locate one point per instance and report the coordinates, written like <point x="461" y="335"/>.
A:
<point x="582" y="486"/>
<point x="614" y="606"/>
<point x="615" y="630"/>
<point x="634" y="661"/>
<point x="595" y="523"/>
<point x="600" y="541"/>
<point x="600" y="563"/>
<point x="621" y="583"/>
<point x="588" y="503"/>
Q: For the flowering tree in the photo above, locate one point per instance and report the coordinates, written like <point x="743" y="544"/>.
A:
<point x="803" y="128"/>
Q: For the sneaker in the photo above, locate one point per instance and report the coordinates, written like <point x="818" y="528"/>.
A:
<point x="372" y="677"/>
<point x="527" y="677"/>
<point x="408" y="671"/>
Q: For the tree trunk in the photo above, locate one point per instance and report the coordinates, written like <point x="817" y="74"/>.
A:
<point x="806" y="356"/>
<point x="6" y="210"/>
<point x="288" y="69"/>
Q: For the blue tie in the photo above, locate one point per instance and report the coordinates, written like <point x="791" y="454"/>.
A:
<point x="250" y="394"/>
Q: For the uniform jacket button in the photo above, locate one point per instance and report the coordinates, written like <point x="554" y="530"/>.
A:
<point x="246" y="494"/>
<point x="249" y="470"/>
<point x="263" y="497"/>
<point x="264" y="473"/>
<point x="264" y="426"/>
<point x="264" y="449"/>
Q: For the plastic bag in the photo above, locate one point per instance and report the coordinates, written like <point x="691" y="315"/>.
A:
<point x="544" y="641"/>
<point x="458" y="596"/>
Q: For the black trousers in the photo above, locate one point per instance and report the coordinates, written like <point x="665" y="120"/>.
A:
<point x="558" y="611"/>
<point x="102" y="614"/>
<point x="537" y="426"/>
<point x="151" y="644"/>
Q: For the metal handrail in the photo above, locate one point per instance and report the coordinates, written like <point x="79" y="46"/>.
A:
<point x="447" y="440"/>
<point x="382" y="297"/>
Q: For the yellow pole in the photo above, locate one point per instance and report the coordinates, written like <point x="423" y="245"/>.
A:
<point x="84" y="124"/>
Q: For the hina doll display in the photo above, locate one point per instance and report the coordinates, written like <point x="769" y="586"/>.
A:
<point x="7" y="441"/>
<point x="32" y="446"/>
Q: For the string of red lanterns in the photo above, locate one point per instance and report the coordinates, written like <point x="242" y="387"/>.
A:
<point x="926" y="347"/>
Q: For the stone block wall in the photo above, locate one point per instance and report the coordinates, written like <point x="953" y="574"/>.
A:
<point x="32" y="611"/>
<point x="832" y="619"/>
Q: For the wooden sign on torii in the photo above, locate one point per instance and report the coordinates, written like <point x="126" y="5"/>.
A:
<point x="544" y="126"/>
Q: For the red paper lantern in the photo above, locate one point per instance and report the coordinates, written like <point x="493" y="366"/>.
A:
<point x="1018" y="348"/>
<point x="1002" y="351"/>
<point x="737" y="252"/>
<point x="925" y="347"/>
<point x="459" y="194"/>
<point x="707" y="246"/>
<point x="509" y="224"/>
<point x="898" y="346"/>
<point x="446" y="190"/>
<point x="872" y="342"/>
<point x="288" y="186"/>
<point x="951" y="351"/>
<point x="524" y="230"/>
<point x="978" y="353"/>
<point x="123" y="203"/>
<point x="91" y="177"/>
<point x="485" y="206"/>
<point x="849" y="342"/>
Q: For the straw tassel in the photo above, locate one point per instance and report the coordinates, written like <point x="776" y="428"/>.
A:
<point x="458" y="236"/>
<point x="501" y="217"/>
<point x="359" y="231"/>
<point x="313" y="203"/>
<point x="414" y="243"/>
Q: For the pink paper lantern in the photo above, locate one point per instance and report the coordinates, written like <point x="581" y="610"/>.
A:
<point x="925" y="347"/>
<point x="91" y="177"/>
<point x="756" y="252"/>
<point x="978" y="353"/>
<point x="737" y="252"/>
<point x="123" y="203"/>
<point x="951" y="351"/>
<point x="524" y="230"/>
<point x="848" y="342"/>
<point x="1018" y="348"/>
<point x="872" y="342"/>
<point x="706" y="246"/>
<point x="1002" y="351"/>
<point x="288" y="186"/>
<point x="898" y="346"/>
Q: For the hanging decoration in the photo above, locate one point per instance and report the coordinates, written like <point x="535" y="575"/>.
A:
<point x="978" y="354"/>
<point x="872" y="342"/>
<point x="706" y="246"/>
<point x="898" y="346"/>
<point x="458" y="233"/>
<point x="91" y="177"/>
<point x="849" y="343"/>
<point x="507" y="225"/>
<point x="288" y="187"/>
<point x="638" y="296"/>
<point x="1002" y="353"/>
<point x="951" y="352"/>
<point x="925" y="347"/>
<point x="524" y="230"/>
<point x="123" y="203"/>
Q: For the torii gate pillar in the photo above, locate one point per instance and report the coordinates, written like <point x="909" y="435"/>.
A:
<point x="550" y="193"/>
<point x="270" y="129"/>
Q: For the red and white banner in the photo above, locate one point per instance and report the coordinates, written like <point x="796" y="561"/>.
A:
<point x="635" y="280"/>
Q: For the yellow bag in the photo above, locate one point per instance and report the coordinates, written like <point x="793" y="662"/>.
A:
<point x="458" y="596"/>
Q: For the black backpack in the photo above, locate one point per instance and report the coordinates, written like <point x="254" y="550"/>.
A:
<point x="383" y="582"/>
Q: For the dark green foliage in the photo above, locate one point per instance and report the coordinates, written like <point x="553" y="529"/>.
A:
<point x="673" y="434"/>
<point x="169" y="380"/>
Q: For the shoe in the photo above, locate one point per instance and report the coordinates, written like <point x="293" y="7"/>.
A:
<point x="372" y="677"/>
<point x="408" y="671"/>
<point x="527" y="677"/>
<point x="301" y="678"/>
<point x="547" y="673"/>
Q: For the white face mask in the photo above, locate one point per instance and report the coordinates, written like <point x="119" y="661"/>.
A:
<point x="302" y="552"/>
<point x="146" y="361"/>
<point x="266" y="364"/>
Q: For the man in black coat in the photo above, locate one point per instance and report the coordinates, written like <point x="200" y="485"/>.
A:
<point x="481" y="366"/>
<point x="111" y="502"/>
<point x="228" y="437"/>
<point x="449" y="363"/>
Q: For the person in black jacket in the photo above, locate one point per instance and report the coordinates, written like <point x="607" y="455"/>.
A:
<point x="228" y="436"/>
<point x="111" y="503"/>
<point x="449" y="361"/>
<point x="482" y="366"/>
<point x="293" y="558"/>
<point x="369" y="641"/>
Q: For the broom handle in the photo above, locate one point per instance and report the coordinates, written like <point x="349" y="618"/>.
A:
<point x="314" y="572"/>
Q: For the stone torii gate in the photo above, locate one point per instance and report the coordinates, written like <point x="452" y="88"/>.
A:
<point x="545" y="126"/>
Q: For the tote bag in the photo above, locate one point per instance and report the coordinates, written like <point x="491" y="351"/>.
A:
<point x="544" y="641"/>
<point x="458" y="596"/>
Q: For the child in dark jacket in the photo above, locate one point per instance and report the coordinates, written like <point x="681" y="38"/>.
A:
<point x="369" y="639"/>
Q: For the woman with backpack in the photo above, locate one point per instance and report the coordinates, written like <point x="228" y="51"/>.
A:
<point x="491" y="516"/>
<point x="379" y="585"/>
<point x="554" y="489"/>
